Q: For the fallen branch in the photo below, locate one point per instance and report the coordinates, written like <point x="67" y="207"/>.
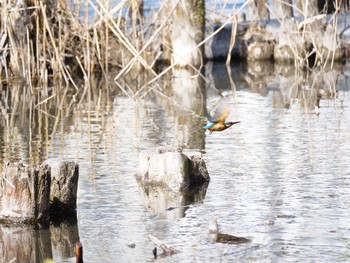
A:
<point x="167" y="250"/>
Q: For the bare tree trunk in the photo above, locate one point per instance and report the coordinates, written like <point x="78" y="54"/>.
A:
<point x="187" y="32"/>
<point x="258" y="10"/>
<point x="282" y="8"/>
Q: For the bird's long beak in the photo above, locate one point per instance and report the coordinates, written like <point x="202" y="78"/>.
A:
<point x="235" y="122"/>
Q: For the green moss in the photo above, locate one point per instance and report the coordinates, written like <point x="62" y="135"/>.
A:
<point x="198" y="14"/>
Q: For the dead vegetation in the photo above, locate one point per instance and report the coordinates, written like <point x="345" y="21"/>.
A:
<point x="45" y="41"/>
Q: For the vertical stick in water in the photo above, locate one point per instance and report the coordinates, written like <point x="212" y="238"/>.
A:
<point x="79" y="252"/>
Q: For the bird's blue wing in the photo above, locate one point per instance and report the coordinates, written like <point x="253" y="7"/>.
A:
<point x="209" y="125"/>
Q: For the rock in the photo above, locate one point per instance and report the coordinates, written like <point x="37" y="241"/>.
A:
<point x="178" y="170"/>
<point x="64" y="186"/>
<point x="25" y="193"/>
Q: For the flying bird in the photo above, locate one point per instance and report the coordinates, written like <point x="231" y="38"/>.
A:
<point x="218" y="122"/>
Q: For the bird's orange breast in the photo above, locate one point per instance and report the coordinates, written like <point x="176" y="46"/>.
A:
<point x="218" y="127"/>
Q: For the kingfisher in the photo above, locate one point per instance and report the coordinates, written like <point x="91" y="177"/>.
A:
<point x="218" y="120"/>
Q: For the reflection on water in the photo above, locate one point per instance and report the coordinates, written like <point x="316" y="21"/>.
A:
<point x="279" y="178"/>
<point x="24" y="243"/>
<point x="165" y="203"/>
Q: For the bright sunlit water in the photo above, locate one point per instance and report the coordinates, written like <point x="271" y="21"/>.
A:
<point x="280" y="178"/>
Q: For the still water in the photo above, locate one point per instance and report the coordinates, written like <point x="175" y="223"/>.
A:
<point x="280" y="178"/>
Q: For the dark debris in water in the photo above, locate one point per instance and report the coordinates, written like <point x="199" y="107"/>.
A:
<point x="132" y="245"/>
<point x="170" y="208"/>
<point x="286" y="216"/>
<point x="229" y="239"/>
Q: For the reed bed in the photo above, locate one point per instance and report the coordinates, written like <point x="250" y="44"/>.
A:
<point x="41" y="42"/>
<point x="44" y="41"/>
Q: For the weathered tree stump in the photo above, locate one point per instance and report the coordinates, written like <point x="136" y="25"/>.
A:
<point x="25" y="193"/>
<point x="30" y="194"/>
<point x="174" y="168"/>
<point x="64" y="186"/>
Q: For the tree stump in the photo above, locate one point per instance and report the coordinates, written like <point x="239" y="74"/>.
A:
<point x="64" y="186"/>
<point x="172" y="167"/>
<point x="25" y="193"/>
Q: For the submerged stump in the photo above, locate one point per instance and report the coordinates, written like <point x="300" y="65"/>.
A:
<point x="31" y="194"/>
<point x="177" y="169"/>
<point x="25" y="193"/>
<point x="64" y="186"/>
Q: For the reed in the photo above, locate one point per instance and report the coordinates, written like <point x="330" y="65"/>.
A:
<point x="41" y="41"/>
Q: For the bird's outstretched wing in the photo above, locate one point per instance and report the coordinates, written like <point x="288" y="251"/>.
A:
<point x="220" y="113"/>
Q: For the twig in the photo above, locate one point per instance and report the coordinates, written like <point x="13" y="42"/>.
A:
<point x="167" y="250"/>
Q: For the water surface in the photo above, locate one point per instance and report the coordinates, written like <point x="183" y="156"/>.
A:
<point x="280" y="178"/>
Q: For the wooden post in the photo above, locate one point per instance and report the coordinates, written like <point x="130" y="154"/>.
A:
<point x="79" y="252"/>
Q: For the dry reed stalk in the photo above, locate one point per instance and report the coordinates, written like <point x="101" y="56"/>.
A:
<point x="232" y="40"/>
<point x="111" y="12"/>
<point x="29" y="66"/>
<point x="86" y="81"/>
<point x="118" y="32"/>
<point x="128" y="66"/>
<point x="337" y="8"/>
<point x="291" y="36"/>
<point x="14" y="48"/>
<point x="228" y="60"/>
<point x="124" y="91"/>
<point x="24" y="61"/>
<point x="106" y="49"/>
<point x="224" y="24"/>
